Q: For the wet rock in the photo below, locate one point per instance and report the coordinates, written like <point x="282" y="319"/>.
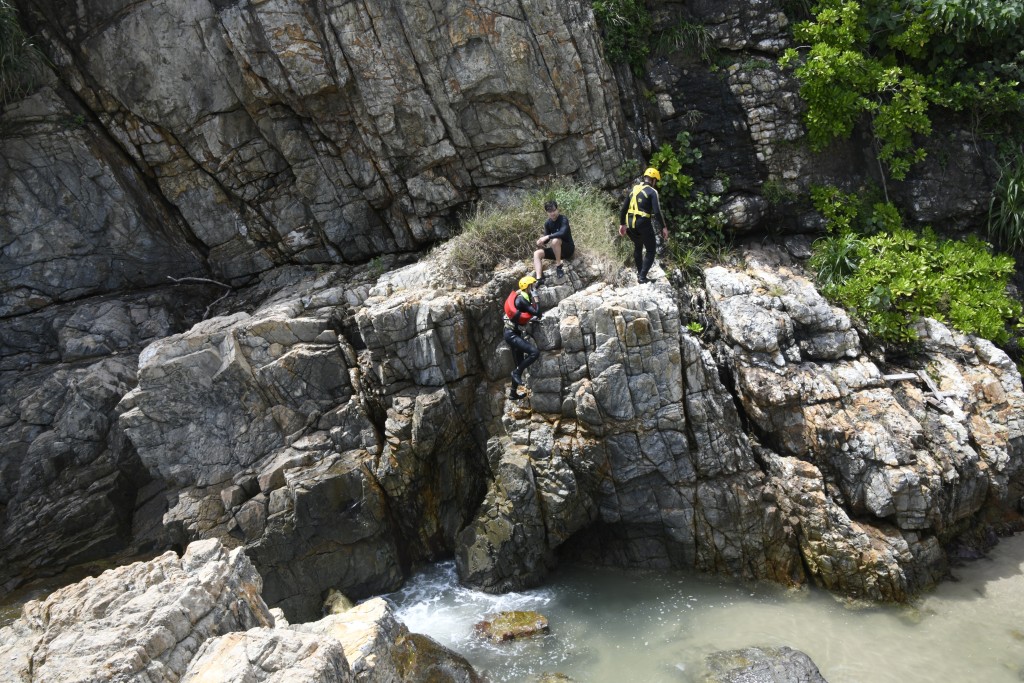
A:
<point x="512" y="625"/>
<point x="336" y="602"/>
<point x="420" y="659"/>
<point x="761" y="665"/>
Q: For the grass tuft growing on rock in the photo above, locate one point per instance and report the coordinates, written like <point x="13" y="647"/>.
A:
<point x="506" y="233"/>
<point x="21" y="62"/>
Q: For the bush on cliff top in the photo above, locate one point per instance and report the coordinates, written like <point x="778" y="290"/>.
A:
<point x="506" y="233"/>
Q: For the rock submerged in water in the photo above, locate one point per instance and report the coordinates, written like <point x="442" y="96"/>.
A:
<point x="512" y="625"/>
<point x="761" y="665"/>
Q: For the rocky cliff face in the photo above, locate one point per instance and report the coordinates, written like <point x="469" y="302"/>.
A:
<point x="330" y="131"/>
<point x="341" y="432"/>
<point x="341" y="425"/>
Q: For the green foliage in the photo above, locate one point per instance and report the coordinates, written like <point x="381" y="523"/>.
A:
<point x="776" y="192"/>
<point x="20" y="61"/>
<point x="507" y="232"/>
<point x="625" y="27"/>
<point x="902" y="276"/>
<point x="894" y="276"/>
<point x="694" y="327"/>
<point x="834" y="258"/>
<point x="1006" y="210"/>
<point x="859" y="212"/>
<point x="694" y="39"/>
<point x="892" y="61"/>
<point x="669" y="161"/>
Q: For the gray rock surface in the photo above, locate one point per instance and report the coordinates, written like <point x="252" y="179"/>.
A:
<point x="910" y="469"/>
<point x="141" y="622"/>
<point x="68" y="478"/>
<point x="313" y="133"/>
<point x="761" y="665"/>
<point x="77" y="218"/>
<point x="199" y="618"/>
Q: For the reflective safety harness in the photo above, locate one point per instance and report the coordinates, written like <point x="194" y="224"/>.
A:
<point x="634" y="206"/>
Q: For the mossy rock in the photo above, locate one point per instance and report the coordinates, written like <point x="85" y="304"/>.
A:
<point x="420" y="659"/>
<point x="511" y="625"/>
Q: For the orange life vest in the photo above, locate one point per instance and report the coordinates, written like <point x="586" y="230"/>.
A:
<point x="513" y="313"/>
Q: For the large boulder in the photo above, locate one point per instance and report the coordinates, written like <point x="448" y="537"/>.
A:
<point x="144" y="621"/>
<point x="200" y="617"/>
<point x="760" y="665"/>
<point x="896" y="470"/>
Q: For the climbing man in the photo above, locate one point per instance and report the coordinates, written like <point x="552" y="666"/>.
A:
<point x="635" y="221"/>
<point x="556" y="242"/>
<point x="521" y="307"/>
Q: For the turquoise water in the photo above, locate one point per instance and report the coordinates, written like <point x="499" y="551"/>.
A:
<point x="612" y="625"/>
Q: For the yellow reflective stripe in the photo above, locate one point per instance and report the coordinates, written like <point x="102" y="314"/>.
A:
<point x="634" y="208"/>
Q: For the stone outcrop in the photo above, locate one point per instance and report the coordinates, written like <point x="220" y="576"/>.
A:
<point x="143" y="621"/>
<point x="68" y="479"/>
<point x="200" y="617"/>
<point x="880" y="473"/>
<point x="340" y="425"/>
<point x="351" y="425"/>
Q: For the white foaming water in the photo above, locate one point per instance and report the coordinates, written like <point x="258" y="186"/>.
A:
<point x="616" y="626"/>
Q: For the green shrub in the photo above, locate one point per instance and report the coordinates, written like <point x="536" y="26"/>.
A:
<point x="834" y="258"/>
<point x="507" y="232"/>
<point x="20" y="62"/>
<point x="901" y="276"/>
<point x="694" y="39"/>
<point x="1006" y="210"/>
<point x="626" y="26"/>
<point x="891" y="61"/>
<point x="669" y="160"/>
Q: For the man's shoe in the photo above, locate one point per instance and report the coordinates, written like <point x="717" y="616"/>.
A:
<point x="515" y="395"/>
<point x="560" y="270"/>
<point x="540" y="280"/>
<point x="517" y="377"/>
<point x="642" y="280"/>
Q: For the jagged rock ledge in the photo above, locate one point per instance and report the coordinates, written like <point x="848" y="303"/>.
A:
<point x="200" y="617"/>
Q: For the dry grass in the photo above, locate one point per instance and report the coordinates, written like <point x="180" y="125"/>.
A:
<point x="506" y="234"/>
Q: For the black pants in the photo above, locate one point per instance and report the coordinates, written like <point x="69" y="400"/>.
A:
<point x="642" y="235"/>
<point x="523" y="352"/>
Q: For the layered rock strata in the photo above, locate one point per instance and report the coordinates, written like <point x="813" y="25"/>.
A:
<point x="295" y="132"/>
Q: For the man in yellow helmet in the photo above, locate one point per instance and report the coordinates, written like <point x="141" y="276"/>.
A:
<point x="521" y="307"/>
<point x="636" y="221"/>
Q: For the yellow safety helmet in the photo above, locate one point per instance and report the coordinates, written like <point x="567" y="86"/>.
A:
<point x="652" y="172"/>
<point x="525" y="281"/>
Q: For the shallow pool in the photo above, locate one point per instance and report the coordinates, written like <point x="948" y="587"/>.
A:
<point x="613" y="625"/>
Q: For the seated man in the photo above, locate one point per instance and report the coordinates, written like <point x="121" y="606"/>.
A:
<point x="555" y="244"/>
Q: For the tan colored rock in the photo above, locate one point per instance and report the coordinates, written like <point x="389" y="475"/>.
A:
<point x="512" y="625"/>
